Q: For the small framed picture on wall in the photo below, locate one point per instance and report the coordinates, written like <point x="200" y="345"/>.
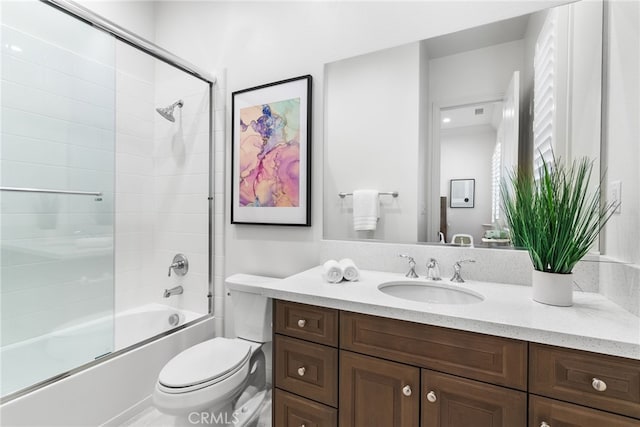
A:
<point x="462" y="193"/>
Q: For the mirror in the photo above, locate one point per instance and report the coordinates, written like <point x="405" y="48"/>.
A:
<point x="414" y="118"/>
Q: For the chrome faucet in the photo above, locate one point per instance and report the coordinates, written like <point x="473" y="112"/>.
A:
<point x="433" y="270"/>
<point x="180" y="265"/>
<point x="173" y="291"/>
<point x="412" y="266"/>
<point x="457" y="269"/>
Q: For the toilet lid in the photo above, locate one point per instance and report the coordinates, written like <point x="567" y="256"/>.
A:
<point x="205" y="362"/>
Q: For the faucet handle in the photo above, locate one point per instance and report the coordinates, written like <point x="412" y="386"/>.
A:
<point x="410" y="258"/>
<point x="457" y="267"/>
<point x="462" y="261"/>
<point x="180" y="265"/>
<point x="412" y="266"/>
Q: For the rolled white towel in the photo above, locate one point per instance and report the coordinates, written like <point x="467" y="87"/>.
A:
<point x="332" y="272"/>
<point x="349" y="269"/>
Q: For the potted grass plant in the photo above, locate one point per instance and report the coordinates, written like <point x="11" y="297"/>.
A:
<point x="556" y="218"/>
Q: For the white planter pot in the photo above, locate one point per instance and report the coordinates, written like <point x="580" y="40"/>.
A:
<point x="553" y="288"/>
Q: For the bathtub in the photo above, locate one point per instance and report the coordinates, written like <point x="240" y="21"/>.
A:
<point x="72" y="345"/>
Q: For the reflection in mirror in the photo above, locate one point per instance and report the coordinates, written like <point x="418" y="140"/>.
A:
<point x="385" y="118"/>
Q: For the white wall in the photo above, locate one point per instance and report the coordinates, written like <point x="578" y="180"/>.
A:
<point x="477" y="75"/>
<point x="465" y="153"/>
<point x="369" y="153"/>
<point x="623" y="129"/>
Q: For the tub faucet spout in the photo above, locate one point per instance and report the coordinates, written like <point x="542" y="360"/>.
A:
<point x="173" y="291"/>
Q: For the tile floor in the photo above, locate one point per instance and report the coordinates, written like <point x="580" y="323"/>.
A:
<point x="151" y="417"/>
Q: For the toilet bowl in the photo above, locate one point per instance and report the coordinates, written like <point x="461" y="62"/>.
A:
<point x="221" y="381"/>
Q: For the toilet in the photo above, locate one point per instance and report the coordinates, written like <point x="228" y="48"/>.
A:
<point x="222" y="381"/>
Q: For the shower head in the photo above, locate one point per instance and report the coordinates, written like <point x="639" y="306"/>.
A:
<point x="167" y="112"/>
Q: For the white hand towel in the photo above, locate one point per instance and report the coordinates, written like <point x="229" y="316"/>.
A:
<point x="332" y="272"/>
<point x="365" y="209"/>
<point x="349" y="269"/>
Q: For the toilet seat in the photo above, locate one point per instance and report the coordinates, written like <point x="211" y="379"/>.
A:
<point x="204" y="365"/>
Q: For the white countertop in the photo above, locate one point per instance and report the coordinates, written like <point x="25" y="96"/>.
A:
<point x="593" y="323"/>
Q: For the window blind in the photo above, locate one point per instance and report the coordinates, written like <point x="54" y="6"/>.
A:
<point x="544" y="96"/>
<point x="496" y="179"/>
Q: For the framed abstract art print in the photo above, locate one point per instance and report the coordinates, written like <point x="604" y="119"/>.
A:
<point x="271" y="154"/>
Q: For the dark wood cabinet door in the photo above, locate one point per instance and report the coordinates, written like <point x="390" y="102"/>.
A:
<point x="290" y="410"/>
<point x="450" y="401"/>
<point x="378" y="393"/>
<point x="545" y="412"/>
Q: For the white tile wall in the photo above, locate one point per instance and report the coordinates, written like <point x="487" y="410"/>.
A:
<point x="181" y="186"/>
<point x="135" y="81"/>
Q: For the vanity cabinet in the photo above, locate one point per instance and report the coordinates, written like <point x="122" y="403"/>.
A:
<point x="364" y="370"/>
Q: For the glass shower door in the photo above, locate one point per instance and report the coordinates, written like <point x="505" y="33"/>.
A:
<point x="57" y="201"/>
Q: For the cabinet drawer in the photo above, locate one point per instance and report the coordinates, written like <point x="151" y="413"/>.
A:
<point x="572" y="374"/>
<point x="307" y="369"/>
<point x="481" y="357"/>
<point x="448" y="400"/>
<point x="317" y="324"/>
<point x="294" y="411"/>
<point x="552" y="413"/>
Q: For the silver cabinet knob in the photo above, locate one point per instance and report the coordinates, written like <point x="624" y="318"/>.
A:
<point x="544" y="424"/>
<point x="406" y="390"/>
<point x="431" y="397"/>
<point x="302" y="323"/>
<point x="301" y="371"/>
<point x="598" y="384"/>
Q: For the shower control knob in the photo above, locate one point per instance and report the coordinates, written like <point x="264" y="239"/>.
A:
<point x="301" y="371"/>
<point x="179" y="265"/>
<point x="406" y="390"/>
<point x="431" y="397"/>
<point x="598" y="384"/>
<point x="302" y="323"/>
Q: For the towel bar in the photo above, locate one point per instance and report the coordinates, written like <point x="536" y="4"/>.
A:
<point x="384" y="193"/>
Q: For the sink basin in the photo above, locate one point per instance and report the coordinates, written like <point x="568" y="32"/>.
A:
<point x="431" y="292"/>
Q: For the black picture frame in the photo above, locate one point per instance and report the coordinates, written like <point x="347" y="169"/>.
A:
<point x="270" y="126"/>
<point x="462" y="193"/>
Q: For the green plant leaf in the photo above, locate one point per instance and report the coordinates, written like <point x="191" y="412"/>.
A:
<point x="555" y="217"/>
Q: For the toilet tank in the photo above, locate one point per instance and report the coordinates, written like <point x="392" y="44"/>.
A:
<point x="251" y="311"/>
